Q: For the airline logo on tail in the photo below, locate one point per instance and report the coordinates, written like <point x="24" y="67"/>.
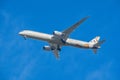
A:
<point x="95" y="40"/>
<point x="95" y="43"/>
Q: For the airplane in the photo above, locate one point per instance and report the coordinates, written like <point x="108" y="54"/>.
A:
<point x="59" y="39"/>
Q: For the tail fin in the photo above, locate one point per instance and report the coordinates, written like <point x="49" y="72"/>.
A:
<point x="96" y="43"/>
<point x="95" y="40"/>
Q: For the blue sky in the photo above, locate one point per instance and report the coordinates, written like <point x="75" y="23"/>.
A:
<point x="25" y="60"/>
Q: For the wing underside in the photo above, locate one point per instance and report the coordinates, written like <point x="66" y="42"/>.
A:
<point x="56" y="48"/>
<point x="56" y="53"/>
<point x="73" y="27"/>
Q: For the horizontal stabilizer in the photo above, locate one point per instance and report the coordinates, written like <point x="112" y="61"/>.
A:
<point x="95" y="51"/>
<point x="99" y="43"/>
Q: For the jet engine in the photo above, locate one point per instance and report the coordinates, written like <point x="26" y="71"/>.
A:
<point x="57" y="33"/>
<point x="47" y="48"/>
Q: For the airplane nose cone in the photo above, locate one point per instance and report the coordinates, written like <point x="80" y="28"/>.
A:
<point x="20" y="33"/>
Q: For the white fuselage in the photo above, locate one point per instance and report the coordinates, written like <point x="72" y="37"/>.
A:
<point x="51" y="39"/>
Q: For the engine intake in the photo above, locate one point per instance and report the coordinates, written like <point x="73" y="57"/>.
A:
<point x="47" y="48"/>
<point x="57" y="33"/>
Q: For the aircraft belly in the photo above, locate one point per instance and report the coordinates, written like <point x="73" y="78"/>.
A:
<point x="44" y="37"/>
<point x="40" y="36"/>
<point x="77" y="43"/>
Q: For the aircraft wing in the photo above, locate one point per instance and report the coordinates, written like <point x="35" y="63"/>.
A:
<point x="73" y="27"/>
<point x="55" y="50"/>
<point x="56" y="53"/>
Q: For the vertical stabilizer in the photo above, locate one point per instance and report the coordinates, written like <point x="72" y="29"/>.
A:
<point x="95" y="40"/>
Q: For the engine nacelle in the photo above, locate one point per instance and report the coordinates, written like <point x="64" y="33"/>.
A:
<point x="57" y="33"/>
<point x="47" y="48"/>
